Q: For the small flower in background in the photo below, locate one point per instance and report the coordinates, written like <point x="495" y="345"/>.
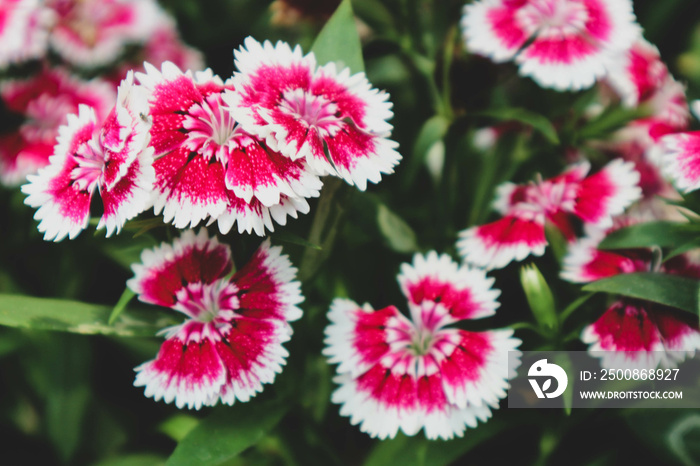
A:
<point x="680" y="158"/>
<point x="592" y="199"/>
<point x="421" y="373"/>
<point x="633" y="332"/>
<point x="231" y="342"/>
<point x="44" y="101"/>
<point x="24" y="30"/>
<point x="562" y="44"/>
<point x="94" y="33"/>
<point x="335" y="121"/>
<point x="207" y="166"/>
<point x="113" y="157"/>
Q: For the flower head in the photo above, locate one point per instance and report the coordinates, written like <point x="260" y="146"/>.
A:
<point x="94" y="33"/>
<point x="208" y="166"/>
<point x="564" y="44"/>
<point x="419" y="373"/>
<point x="680" y="158"/>
<point x="592" y="199"/>
<point x="44" y="101"/>
<point x="112" y="157"/>
<point x="334" y="120"/>
<point x="231" y="341"/>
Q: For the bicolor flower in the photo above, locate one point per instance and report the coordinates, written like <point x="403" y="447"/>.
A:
<point x="334" y="120"/>
<point x="112" y="157"/>
<point x="44" y="101"/>
<point x="592" y="199"/>
<point x="421" y="372"/>
<point x="208" y="167"/>
<point x="634" y="332"/>
<point x="680" y="158"/>
<point x="230" y="343"/>
<point x="562" y="44"/>
<point x="94" y="33"/>
<point x="24" y="30"/>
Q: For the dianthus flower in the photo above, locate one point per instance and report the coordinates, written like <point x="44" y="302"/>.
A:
<point x="111" y="157"/>
<point x="231" y="341"/>
<point x="44" y="101"/>
<point x="563" y="44"/>
<point x="94" y="33"/>
<point x="421" y="372"/>
<point x="634" y="332"/>
<point x="592" y="199"/>
<point x="680" y="157"/>
<point x="334" y="120"/>
<point x="24" y="26"/>
<point x="208" y="167"/>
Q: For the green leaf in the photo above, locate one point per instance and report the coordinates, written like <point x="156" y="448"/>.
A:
<point x="77" y="317"/>
<point x="643" y="235"/>
<point x="287" y="237"/>
<point x="671" y="290"/>
<point x="138" y="459"/>
<point x="178" y="426"/>
<point x="539" y="297"/>
<point x="125" y="298"/>
<point x="397" y="233"/>
<point x="433" y="131"/>
<point x="226" y="433"/>
<point x="537" y="121"/>
<point x="611" y="119"/>
<point x="339" y="42"/>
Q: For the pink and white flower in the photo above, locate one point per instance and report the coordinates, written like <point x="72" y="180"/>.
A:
<point x="313" y="113"/>
<point x="44" y="101"/>
<point x="231" y="341"/>
<point x="208" y="167"/>
<point x="680" y="158"/>
<point x="632" y="332"/>
<point x="24" y="29"/>
<point x="113" y="158"/>
<point x="399" y="373"/>
<point x="563" y="44"/>
<point x="93" y="33"/>
<point x="592" y="199"/>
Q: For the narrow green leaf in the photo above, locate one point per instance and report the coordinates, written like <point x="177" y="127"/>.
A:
<point x="537" y="121"/>
<point x="611" y="119"/>
<point x="433" y="131"/>
<point x="671" y="290"/>
<point x="287" y="237"/>
<point x="138" y="459"/>
<point x="77" y="317"/>
<point x="683" y="248"/>
<point x="397" y="233"/>
<point x="643" y="235"/>
<point x="563" y="315"/>
<point x="539" y="297"/>
<point x="226" y="433"/>
<point x="339" y="42"/>
<point x="125" y="298"/>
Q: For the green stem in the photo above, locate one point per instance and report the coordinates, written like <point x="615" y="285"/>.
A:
<point x="324" y="228"/>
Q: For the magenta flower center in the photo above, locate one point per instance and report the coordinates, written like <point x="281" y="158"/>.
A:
<point x="90" y="158"/>
<point x="553" y="17"/>
<point x="208" y="302"/>
<point x="315" y="110"/>
<point x="210" y="127"/>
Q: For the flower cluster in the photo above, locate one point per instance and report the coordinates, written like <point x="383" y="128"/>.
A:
<point x="244" y="151"/>
<point x="421" y="372"/>
<point x="231" y="341"/>
<point x="64" y="40"/>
